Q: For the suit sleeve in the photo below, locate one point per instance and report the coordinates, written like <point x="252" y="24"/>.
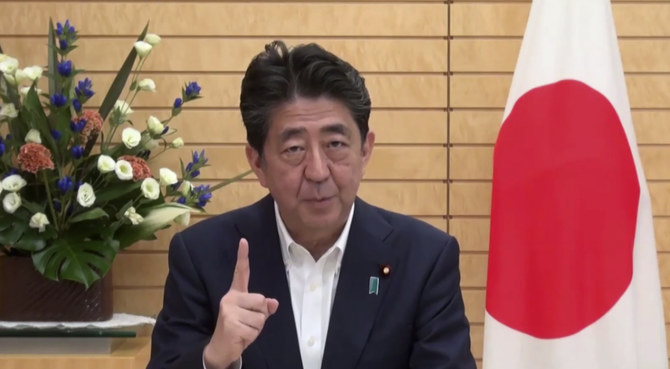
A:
<point x="442" y="333"/>
<point x="185" y="324"/>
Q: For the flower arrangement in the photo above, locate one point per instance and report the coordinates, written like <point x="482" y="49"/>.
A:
<point x="72" y="196"/>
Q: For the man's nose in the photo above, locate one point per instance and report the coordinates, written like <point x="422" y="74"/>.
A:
<point x="316" y="169"/>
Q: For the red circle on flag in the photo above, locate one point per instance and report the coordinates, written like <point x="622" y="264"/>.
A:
<point x="563" y="213"/>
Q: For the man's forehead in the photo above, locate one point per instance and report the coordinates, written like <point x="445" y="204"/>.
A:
<point x="319" y="115"/>
<point x="303" y="109"/>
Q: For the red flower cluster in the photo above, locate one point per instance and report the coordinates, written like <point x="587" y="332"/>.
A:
<point x="140" y="168"/>
<point x="34" y="157"/>
<point x="93" y="124"/>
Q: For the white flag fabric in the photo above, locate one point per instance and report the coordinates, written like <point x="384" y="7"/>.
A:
<point x="573" y="278"/>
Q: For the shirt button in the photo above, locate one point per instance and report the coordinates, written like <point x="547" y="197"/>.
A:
<point x="313" y="287"/>
<point x="310" y="341"/>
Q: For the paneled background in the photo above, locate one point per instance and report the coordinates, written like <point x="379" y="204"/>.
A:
<point x="438" y="73"/>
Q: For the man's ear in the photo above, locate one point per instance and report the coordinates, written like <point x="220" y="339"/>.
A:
<point x="256" y="163"/>
<point x="368" y="145"/>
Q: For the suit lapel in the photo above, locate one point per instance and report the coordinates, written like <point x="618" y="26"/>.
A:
<point x="278" y="340"/>
<point x="355" y="307"/>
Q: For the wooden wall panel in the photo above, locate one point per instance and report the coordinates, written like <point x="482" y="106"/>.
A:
<point x="230" y="19"/>
<point x="472" y="233"/>
<point x="106" y="54"/>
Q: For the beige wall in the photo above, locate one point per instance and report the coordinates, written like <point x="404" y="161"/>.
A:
<point x="438" y="74"/>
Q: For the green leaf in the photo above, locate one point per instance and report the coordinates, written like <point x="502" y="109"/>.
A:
<point x="48" y="261"/>
<point x="5" y="222"/>
<point x="94" y="213"/>
<point x="36" y="119"/>
<point x="52" y="58"/>
<point x="157" y="218"/>
<point x="12" y="234"/>
<point x="230" y="180"/>
<point x="115" y="89"/>
<point x="120" y="80"/>
<point x="33" y="207"/>
<point x="81" y="261"/>
<point x="31" y="241"/>
<point x="31" y="116"/>
<point x="115" y="191"/>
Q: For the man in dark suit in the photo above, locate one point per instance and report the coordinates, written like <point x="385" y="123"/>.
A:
<point x="310" y="276"/>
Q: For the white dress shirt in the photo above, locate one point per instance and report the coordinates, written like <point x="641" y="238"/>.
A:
<point x="312" y="285"/>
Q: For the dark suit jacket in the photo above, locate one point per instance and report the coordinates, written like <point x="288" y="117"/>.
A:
<point x="416" y="321"/>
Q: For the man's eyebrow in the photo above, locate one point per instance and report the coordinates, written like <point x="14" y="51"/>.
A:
<point x="337" y="128"/>
<point x="289" y="133"/>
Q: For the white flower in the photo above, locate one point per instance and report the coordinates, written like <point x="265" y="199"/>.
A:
<point x="147" y="84"/>
<point x="11" y="202"/>
<point x="183" y="219"/>
<point x="33" y="136"/>
<point x="13" y="183"/>
<point x="152" y="39"/>
<point x="132" y="215"/>
<point x="9" y="65"/>
<point x="151" y="144"/>
<point x="8" y="111"/>
<point x="32" y="73"/>
<point x="28" y="74"/>
<point x="155" y="126"/>
<point x="106" y="164"/>
<point x="85" y="195"/>
<point x="39" y="221"/>
<point x="123" y="170"/>
<point x="123" y="107"/>
<point x="143" y="48"/>
<point x="19" y="76"/>
<point x="150" y="188"/>
<point x="168" y="177"/>
<point x="185" y="188"/>
<point x="131" y="137"/>
<point x="10" y="78"/>
<point x="24" y="91"/>
<point x="177" y="143"/>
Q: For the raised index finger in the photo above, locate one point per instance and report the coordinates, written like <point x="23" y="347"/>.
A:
<point x="241" y="274"/>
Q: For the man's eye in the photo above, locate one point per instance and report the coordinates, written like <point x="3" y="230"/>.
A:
<point x="293" y="149"/>
<point x="337" y="144"/>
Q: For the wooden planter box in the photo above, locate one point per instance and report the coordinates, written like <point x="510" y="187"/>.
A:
<point x="25" y="295"/>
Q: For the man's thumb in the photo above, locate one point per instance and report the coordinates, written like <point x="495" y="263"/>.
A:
<point x="273" y="305"/>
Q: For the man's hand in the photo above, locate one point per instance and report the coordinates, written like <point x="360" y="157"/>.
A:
<point x="241" y="317"/>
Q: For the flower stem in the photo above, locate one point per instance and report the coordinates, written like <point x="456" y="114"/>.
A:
<point x="50" y="201"/>
<point x="113" y="129"/>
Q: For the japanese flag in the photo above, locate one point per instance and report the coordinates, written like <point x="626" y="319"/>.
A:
<point x="572" y="276"/>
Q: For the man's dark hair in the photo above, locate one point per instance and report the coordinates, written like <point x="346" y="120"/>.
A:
<point x="279" y="75"/>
